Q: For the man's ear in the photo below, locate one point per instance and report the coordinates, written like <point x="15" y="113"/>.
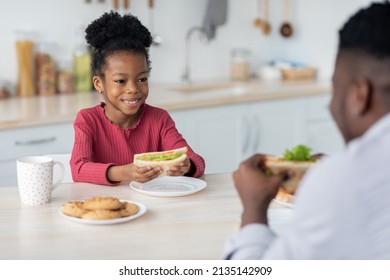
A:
<point x="361" y="96"/>
<point x="98" y="84"/>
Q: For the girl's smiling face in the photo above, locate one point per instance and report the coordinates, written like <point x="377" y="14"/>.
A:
<point x="124" y="86"/>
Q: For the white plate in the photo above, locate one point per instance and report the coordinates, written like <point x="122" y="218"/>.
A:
<point x="170" y="186"/>
<point x="284" y="199"/>
<point x="283" y="203"/>
<point x="141" y="211"/>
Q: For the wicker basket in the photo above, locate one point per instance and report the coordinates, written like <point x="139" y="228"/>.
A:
<point x="301" y="73"/>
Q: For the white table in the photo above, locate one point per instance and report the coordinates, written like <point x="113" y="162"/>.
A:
<point x="188" y="227"/>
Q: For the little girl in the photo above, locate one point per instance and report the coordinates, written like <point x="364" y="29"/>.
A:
<point x="108" y="135"/>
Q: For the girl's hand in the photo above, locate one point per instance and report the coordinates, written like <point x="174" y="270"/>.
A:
<point x="143" y="174"/>
<point x="180" y="169"/>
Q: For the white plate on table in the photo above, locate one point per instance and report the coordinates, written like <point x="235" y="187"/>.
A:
<point x="169" y="186"/>
<point x="283" y="203"/>
<point x="284" y="199"/>
<point x="141" y="211"/>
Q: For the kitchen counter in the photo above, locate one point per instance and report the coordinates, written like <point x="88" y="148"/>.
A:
<point x="42" y="110"/>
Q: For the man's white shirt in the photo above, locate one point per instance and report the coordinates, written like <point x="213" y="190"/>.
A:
<point x="342" y="209"/>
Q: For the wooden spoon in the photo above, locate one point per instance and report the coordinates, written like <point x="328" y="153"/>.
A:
<point x="116" y="4"/>
<point x="258" y="22"/>
<point x="266" y="26"/>
<point x="286" y="29"/>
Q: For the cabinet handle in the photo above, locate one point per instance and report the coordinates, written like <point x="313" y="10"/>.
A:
<point x="246" y="131"/>
<point x="35" y="142"/>
<point x="257" y="131"/>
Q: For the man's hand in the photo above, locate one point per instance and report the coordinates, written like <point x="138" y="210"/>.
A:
<point x="256" y="189"/>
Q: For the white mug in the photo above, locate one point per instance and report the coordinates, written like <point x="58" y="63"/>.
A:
<point x="35" y="179"/>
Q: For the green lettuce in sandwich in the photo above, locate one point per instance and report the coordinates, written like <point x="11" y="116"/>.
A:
<point x="295" y="161"/>
<point x="164" y="159"/>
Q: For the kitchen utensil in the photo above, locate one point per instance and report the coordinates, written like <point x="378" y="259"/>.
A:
<point x="258" y="22"/>
<point x="126" y="4"/>
<point x="266" y="26"/>
<point x="286" y="28"/>
<point x="156" y="38"/>
<point x="116" y="4"/>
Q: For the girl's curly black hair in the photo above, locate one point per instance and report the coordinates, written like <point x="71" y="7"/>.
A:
<point x="111" y="33"/>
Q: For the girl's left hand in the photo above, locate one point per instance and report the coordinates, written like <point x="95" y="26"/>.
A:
<point x="180" y="169"/>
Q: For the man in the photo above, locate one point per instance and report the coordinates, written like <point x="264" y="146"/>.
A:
<point x="342" y="206"/>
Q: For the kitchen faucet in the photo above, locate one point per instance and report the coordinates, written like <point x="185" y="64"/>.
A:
<point x="186" y="76"/>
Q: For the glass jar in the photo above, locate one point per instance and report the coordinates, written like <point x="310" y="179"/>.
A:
<point x="45" y="69"/>
<point x="25" y="55"/>
<point x="82" y="70"/>
<point x="65" y="81"/>
<point x="82" y="62"/>
<point x="240" y="68"/>
<point x="4" y="90"/>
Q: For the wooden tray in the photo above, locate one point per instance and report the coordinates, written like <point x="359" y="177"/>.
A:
<point x="301" y="73"/>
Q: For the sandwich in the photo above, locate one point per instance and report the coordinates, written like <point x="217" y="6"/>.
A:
<point x="164" y="159"/>
<point x="295" y="161"/>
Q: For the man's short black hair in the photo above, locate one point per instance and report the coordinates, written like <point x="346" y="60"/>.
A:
<point x="368" y="31"/>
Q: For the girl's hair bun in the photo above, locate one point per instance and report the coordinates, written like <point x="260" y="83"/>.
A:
<point x="112" y="26"/>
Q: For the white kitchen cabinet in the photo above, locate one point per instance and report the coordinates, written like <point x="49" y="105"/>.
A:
<point x="37" y="140"/>
<point x="7" y="173"/>
<point x="322" y="134"/>
<point x="276" y="125"/>
<point x="281" y="124"/>
<point x="180" y="119"/>
<point x="226" y="135"/>
<point x="216" y="133"/>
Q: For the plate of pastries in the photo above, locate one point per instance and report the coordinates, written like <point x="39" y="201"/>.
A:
<point x="102" y="210"/>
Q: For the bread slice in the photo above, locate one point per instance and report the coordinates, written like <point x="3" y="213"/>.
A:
<point x="277" y="165"/>
<point x="164" y="159"/>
